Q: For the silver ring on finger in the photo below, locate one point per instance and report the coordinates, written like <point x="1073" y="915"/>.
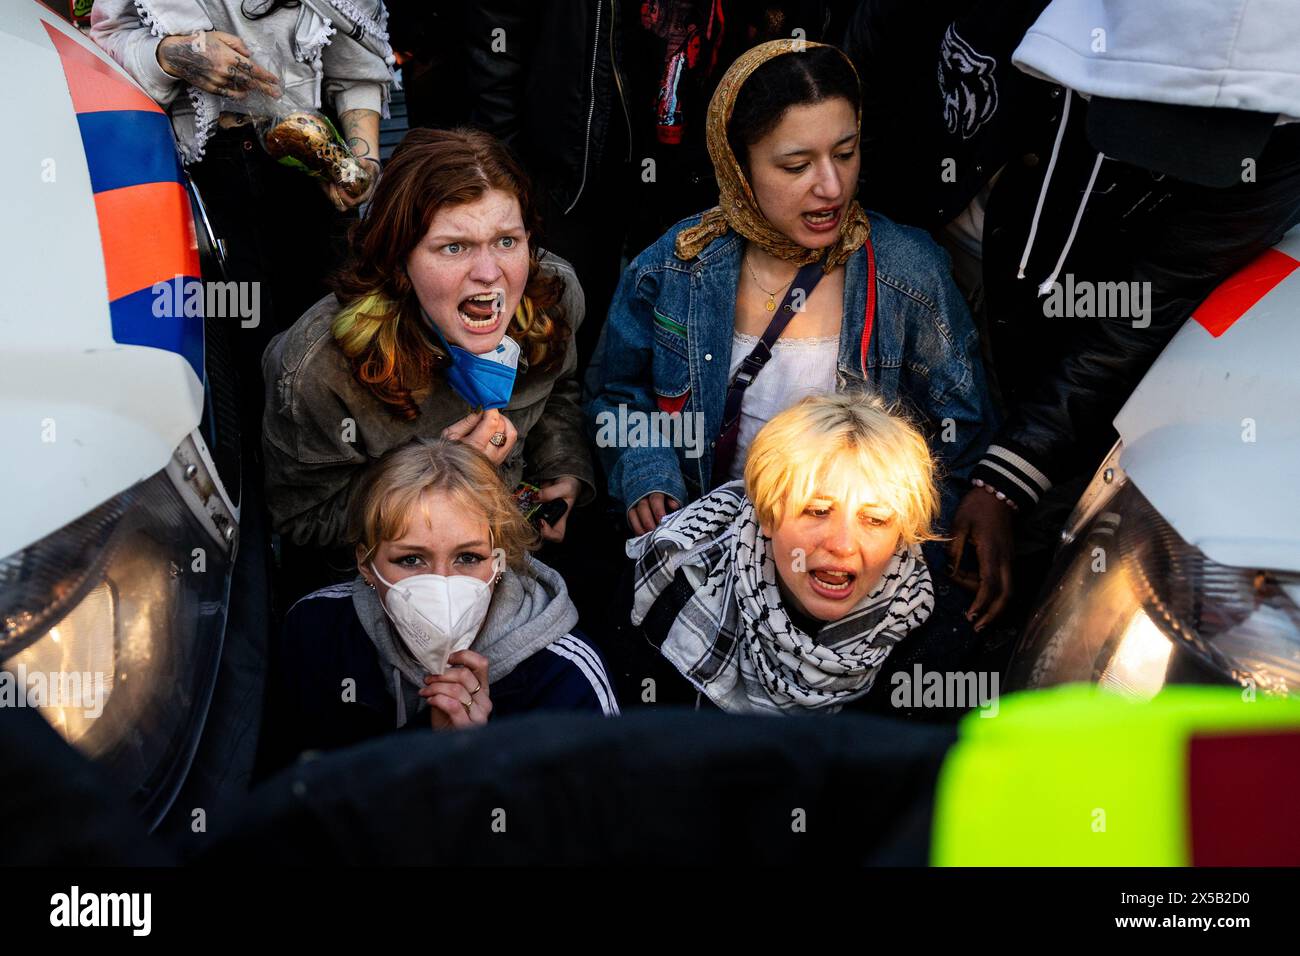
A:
<point x="498" y="440"/>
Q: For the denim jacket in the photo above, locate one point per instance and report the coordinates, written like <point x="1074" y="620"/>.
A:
<point x="668" y="347"/>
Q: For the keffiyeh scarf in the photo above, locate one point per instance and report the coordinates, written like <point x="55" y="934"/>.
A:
<point x="734" y="639"/>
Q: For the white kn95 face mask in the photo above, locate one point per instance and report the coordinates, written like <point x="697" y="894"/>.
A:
<point x="436" y="616"/>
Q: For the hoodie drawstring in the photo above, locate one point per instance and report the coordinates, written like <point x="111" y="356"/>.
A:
<point x="401" y="701"/>
<point x="1046" y="286"/>
<point x="1047" y="179"/>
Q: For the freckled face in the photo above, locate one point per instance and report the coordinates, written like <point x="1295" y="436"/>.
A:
<point x="842" y="555"/>
<point x="805" y="171"/>
<point x="470" y="269"/>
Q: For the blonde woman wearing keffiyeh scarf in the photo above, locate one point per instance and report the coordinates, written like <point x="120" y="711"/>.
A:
<point x="787" y="597"/>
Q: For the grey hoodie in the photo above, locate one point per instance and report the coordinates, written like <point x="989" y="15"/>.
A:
<point x="528" y="612"/>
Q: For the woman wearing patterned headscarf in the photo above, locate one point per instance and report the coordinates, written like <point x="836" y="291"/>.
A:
<point x="787" y="276"/>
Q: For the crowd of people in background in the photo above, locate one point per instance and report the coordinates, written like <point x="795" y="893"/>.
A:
<point x="686" y="351"/>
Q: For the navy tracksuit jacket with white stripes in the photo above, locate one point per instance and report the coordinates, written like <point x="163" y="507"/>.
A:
<point x="323" y="644"/>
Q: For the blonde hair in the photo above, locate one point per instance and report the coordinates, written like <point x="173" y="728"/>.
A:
<point x="392" y="489"/>
<point x="852" y="448"/>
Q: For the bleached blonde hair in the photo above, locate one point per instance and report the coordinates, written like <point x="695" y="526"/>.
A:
<point x="851" y="448"/>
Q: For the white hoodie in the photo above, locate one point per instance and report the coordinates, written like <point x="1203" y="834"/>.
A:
<point x="1238" y="54"/>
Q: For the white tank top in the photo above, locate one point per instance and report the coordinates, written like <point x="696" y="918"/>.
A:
<point x="797" y="368"/>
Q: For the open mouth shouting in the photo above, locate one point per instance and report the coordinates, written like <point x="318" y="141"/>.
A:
<point x="834" y="584"/>
<point x="481" y="314"/>
<point x="823" y="220"/>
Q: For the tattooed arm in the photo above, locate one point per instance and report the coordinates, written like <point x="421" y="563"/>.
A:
<point x="360" y="129"/>
<point x="120" y="32"/>
<point x="217" y="63"/>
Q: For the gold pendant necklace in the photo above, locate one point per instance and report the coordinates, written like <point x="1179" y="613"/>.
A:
<point x="770" y="305"/>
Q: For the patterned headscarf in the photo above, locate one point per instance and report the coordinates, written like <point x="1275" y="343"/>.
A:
<point x="738" y="209"/>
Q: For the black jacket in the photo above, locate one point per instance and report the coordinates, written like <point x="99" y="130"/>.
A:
<point x="1066" y="378"/>
<point x="930" y="147"/>
<point x="942" y="113"/>
<point x="543" y="80"/>
<point x="571" y="85"/>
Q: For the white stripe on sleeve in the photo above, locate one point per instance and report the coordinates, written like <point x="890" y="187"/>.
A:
<point x="571" y="649"/>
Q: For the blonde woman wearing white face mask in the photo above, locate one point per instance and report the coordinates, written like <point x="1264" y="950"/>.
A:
<point x="449" y="623"/>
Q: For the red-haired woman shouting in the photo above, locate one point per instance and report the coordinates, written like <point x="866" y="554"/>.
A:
<point x="446" y="322"/>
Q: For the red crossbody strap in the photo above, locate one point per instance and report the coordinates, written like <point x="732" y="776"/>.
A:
<point x="870" y="316"/>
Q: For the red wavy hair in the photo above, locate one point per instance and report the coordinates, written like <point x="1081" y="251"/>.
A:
<point x="381" y="329"/>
